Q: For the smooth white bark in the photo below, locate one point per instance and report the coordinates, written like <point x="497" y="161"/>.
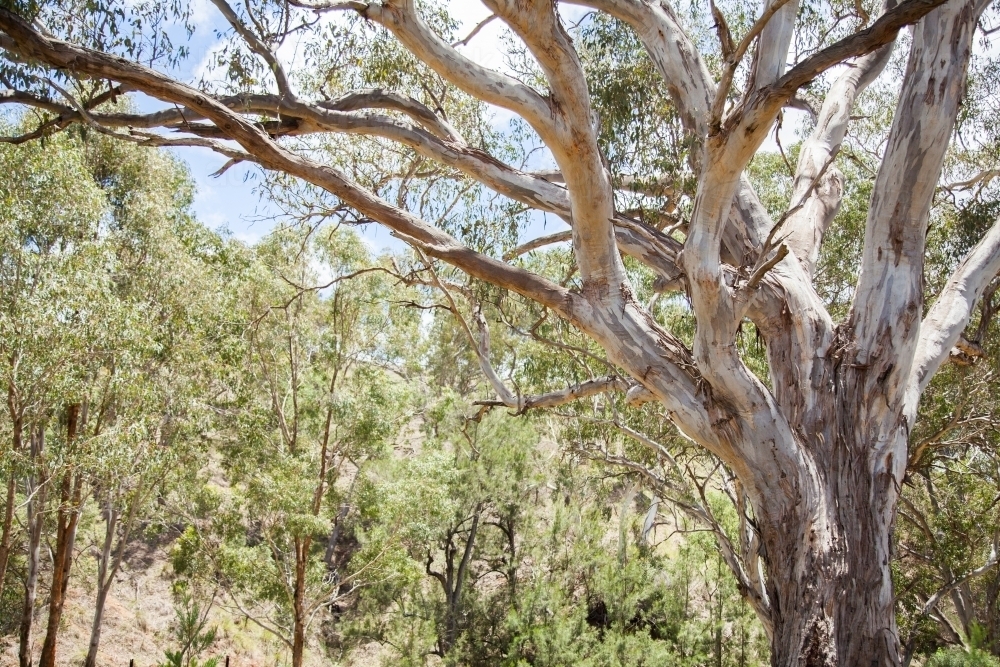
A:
<point x="950" y="314"/>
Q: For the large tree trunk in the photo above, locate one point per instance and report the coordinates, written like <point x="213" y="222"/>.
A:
<point x="829" y="582"/>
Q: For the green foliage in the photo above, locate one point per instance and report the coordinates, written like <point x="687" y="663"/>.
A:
<point x="958" y="657"/>
<point x="308" y="403"/>
<point x="107" y="305"/>
<point x="312" y="439"/>
<point x="190" y="633"/>
<point x="547" y="583"/>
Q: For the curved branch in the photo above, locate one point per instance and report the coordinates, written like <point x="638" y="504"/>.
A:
<point x="772" y="52"/>
<point x="818" y="186"/>
<point x="401" y="18"/>
<point x="569" y="133"/>
<point x="673" y="54"/>
<point x="950" y="314"/>
<point x="540" y="242"/>
<point x="383" y="99"/>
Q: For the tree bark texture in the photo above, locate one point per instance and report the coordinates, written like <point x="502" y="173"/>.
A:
<point x="840" y="610"/>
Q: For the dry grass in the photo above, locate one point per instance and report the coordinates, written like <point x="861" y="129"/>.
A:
<point x="137" y="621"/>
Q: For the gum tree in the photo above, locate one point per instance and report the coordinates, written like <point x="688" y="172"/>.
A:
<point x="819" y="445"/>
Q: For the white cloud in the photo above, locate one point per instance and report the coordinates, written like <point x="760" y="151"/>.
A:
<point x="203" y="13"/>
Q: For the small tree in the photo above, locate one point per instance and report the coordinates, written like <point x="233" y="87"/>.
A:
<point x="311" y="404"/>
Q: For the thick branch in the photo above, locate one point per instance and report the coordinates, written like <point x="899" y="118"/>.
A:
<point x="885" y="316"/>
<point x="401" y="18"/>
<point x="950" y="314"/>
<point x="752" y="119"/>
<point x="818" y="184"/>
<point x="571" y="136"/>
<point x="693" y="90"/>
<point x="673" y="53"/>
<point x="772" y="51"/>
<point x="775" y="38"/>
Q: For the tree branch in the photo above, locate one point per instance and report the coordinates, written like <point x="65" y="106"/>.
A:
<point x="773" y="45"/>
<point x="561" y="397"/>
<point x="26" y="41"/>
<point x="950" y="314"/>
<point x="401" y="18"/>
<point x="775" y="38"/>
<point x="569" y="133"/>
<point x="886" y="309"/>
<point x="540" y="242"/>
<point x="258" y="46"/>
<point x="933" y="600"/>
<point x="764" y="103"/>
<point x="383" y="99"/>
<point x="818" y="186"/>
<point x="673" y="53"/>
